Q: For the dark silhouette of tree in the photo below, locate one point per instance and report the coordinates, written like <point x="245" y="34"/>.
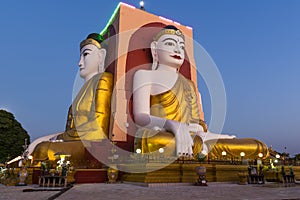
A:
<point x="296" y="158"/>
<point x="12" y="136"/>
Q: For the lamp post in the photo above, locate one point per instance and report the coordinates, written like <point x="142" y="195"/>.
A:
<point x="142" y="3"/>
<point x="138" y="151"/>
<point x="161" y="151"/>
<point x="277" y="156"/>
<point x="242" y="154"/>
<point x="259" y="160"/>
<point x="224" y="153"/>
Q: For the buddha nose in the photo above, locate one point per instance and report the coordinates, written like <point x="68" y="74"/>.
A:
<point x="80" y="61"/>
<point x="177" y="49"/>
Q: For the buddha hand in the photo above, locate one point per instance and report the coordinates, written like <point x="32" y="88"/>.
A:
<point x="184" y="141"/>
<point x="206" y="136"/>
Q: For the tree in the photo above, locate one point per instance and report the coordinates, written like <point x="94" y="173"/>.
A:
<point x="12" y="136"/>
<point x="296" y="157"/>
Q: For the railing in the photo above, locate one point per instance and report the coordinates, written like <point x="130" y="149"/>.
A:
<point x="53" y="181"/>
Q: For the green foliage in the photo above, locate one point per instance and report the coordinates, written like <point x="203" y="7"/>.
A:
<point x="297" y="157"/>
<point x="12" y="136"/>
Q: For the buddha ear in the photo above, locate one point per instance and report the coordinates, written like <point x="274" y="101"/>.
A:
<point x="102" y="55"/>
<point x="154" y="55"/>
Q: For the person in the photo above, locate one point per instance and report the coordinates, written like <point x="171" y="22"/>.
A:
<point x="165" y="106"/>
<point x="89" y="114"/>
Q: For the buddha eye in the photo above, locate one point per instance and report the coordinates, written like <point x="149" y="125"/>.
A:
<point x="182" y="47"/>
<point x="169" y="43"/>
<point x="85" y="54"/>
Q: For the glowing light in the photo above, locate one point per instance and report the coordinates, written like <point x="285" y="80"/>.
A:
<point x="161" y="150"/>
<point x="30" y="157"/>
<point x="103" y="32"/>
<point x="277" y="156"/>
<point x="168" y="20"/>
<point x="260" y="155"/>
<point x="242" y="154"/>
<point x="142" y="3"/>
<point x="138" y="151"/>
<point x="275" y="161"/>
<point x="224" y="153"/>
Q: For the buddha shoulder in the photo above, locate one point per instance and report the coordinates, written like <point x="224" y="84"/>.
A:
<point x="142" y="75"/>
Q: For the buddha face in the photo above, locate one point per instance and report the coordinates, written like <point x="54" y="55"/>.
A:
<point x="91" y="61"/>
<point x="170" y="50"/>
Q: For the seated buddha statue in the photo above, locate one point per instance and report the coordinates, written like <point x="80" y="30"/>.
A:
<point x="166" y="107"/>
<point x="89" y="114"/>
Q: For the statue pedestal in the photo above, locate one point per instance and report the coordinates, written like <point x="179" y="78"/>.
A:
<point x="181" y="173"/>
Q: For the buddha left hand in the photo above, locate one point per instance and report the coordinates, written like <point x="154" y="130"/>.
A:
<point x="184" y="140"/>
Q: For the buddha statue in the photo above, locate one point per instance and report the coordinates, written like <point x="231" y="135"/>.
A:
<point x="166" y="108"/>
<point x="88" y="117"/>
<point x="89" y="114"/>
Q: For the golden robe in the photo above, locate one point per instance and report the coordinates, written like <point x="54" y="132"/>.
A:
<point x="180" y="104"/>
<point x="88" y="120"/>
<point x="88" y="117"/>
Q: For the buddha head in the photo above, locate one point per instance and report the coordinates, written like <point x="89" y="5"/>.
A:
<point x="92" y="56"/>
<point x="168" y="48"/>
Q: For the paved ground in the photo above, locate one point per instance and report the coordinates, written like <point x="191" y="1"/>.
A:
<point x="16" y="193"/>
<point x="124" y="191"/>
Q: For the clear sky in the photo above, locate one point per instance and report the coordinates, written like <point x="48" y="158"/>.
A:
<point x="255" y="45"/>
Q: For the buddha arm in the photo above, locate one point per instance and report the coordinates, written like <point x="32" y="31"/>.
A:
<point x="141" y="110"/>
<point x="100" y="111"/>
<point x="70" y="120"/>
<point x="103" y="101"/>
<point x="94" y="125"/>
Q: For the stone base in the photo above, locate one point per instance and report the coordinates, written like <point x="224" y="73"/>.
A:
<point x="181" y="173"/>
<point x="176" y="173"/>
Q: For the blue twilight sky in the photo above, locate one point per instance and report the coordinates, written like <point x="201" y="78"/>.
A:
<point x="255" y="44"/>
